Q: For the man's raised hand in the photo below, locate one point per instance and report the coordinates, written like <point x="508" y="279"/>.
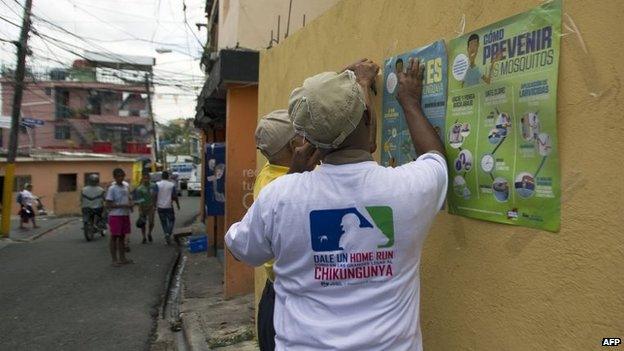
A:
<point x="305" y="158"/>
<point x="410" y="84"/>
<point x="365" y="71"/>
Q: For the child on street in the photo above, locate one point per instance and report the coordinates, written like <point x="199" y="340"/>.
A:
<point x="120" y="205"/>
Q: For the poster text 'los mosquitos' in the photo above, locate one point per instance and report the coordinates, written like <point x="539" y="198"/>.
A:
<point x="523" y="52"/>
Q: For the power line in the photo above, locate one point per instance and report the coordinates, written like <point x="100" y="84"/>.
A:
<point x="57" y="42"/>
<point x="110" y="54"/>
<point x="187" y="24"/>
<point x="10" y="22"/>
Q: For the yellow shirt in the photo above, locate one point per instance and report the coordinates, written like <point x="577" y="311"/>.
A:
<point x="267" y="174"/>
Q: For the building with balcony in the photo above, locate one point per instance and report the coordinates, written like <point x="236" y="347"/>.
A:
<point x="79" y="108"/>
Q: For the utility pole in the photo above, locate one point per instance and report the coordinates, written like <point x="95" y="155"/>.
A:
<point x="18" y="88"/>
<point x="151" y="117"/>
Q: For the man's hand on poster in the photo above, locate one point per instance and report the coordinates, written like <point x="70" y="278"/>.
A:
<point x="305" y="158"/>
<point x="409" y="92"/>
<point x="365" y="72"/>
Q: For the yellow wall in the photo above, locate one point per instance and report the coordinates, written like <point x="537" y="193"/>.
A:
<point x="488" y="286"/>
<point x="249" y="22"/>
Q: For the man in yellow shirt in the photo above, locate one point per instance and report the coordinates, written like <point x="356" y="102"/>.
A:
<point x="276" y="140"/>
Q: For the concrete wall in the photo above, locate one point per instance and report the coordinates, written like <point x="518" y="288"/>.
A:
<point x="488" y="286"/>
<point x="228" y="23"/>
<point x="249" y="22"/>
<point x="45" y="179"/>
<point x="240" y="161"/>
<point x="67" y="203"/>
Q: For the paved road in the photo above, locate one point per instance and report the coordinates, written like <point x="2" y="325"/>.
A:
<point x="60" y="292"/>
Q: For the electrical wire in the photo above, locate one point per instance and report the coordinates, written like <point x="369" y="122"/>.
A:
<point x="161" y="77"/>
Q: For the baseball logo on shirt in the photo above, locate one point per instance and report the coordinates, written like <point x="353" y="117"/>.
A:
<point x="352" y="246"/>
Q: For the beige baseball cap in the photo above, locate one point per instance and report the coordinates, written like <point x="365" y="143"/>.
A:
<point x="274" y="131"/>
<point x="327" y="108"/>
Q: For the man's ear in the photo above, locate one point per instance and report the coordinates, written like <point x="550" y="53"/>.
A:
<point x="291" y="144"/>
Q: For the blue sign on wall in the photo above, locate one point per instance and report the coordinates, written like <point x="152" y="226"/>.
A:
<point x="215" y="179"/>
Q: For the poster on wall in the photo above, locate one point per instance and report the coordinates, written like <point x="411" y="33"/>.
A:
<point x="397" y="147"/>
<point x="214" y="186"/>
<point x="501" y="121"/>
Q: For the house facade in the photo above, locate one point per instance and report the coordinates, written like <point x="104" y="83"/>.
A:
<point x="75" y="110"/>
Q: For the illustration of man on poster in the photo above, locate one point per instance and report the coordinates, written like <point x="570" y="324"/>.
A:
<point x="473" y="74"/>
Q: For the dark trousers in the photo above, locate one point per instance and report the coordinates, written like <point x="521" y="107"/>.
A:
<point x="167" y="220"/>
<point x="266" y="330"/>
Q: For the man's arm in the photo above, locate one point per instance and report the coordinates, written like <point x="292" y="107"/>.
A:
<point x="110" y="204"/>
<point x="424" y="137"/>
<point x="365" y="73"/>
<point x="248" y="240"/>
<point x="174" y="196"/>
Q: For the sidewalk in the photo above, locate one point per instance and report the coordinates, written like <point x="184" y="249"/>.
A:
<point x="45" y="223"/>
<point x="209" y="321"/>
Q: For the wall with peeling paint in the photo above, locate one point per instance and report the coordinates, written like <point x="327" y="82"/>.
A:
<point x="488" y="286"/>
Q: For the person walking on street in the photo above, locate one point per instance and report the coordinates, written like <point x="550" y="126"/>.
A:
<point x="276" y="139"/>
<point x="119" y="203"/>
<point x="166" y="195"/>
<point x="144" y="196"/>
<point x="361" y="292"/>
<point x="28" y="202"/>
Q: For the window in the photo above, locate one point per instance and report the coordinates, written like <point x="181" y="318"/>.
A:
<point x="61" y="132"/>
<point x="88" y="174"/>
<point x="67" y="182"/>
<point x="48" y="91"/>
<point x="20" y="181"/>
<point x="62" y="104"/>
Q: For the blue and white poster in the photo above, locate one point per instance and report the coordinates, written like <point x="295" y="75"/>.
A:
<point x="397" y="147"/>
<point x="214" y="189"/>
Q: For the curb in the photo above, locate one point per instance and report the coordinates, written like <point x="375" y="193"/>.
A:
<point x="192" y="343"/>
<point x="37" y="236"/>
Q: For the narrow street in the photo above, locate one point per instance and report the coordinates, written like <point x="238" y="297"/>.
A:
<point x="61" y="292"/>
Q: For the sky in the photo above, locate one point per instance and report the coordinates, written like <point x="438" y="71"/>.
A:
<point x="130" y="27"/>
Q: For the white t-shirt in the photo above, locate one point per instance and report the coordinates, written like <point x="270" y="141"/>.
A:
<point x="165" y="194"/>
<point x="28" y="199"/>
<point x="347" y="241"/>
<point x="119" y="195"/>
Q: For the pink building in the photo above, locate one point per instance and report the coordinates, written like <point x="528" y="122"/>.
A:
<point x="79" y="112"/>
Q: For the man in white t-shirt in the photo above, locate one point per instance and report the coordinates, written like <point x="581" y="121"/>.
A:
<point x="166" y="195"/>
<point x="357" y="297"/>
<point x="119" y="204"/>
<point x="28" y="202"/>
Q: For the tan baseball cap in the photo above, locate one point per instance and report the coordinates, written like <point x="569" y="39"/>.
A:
<point x="274" y="131"/>
<point x="327" y="108"/>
